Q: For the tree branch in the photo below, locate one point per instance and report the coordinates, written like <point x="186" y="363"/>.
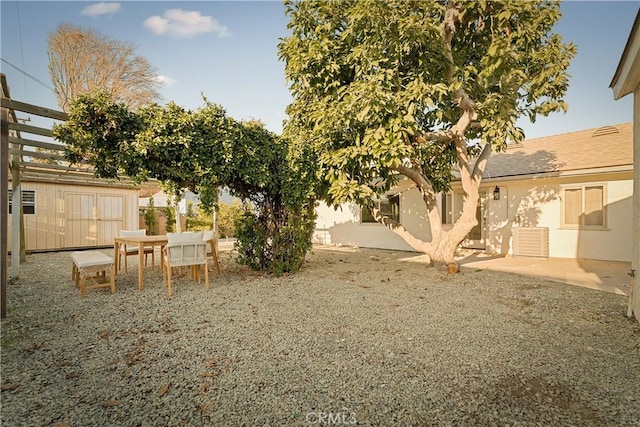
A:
<point x="429" y="198"/>
<point x="481" y="164"/>
<point x="417" y="244"/>
<point x="461" y="98"/>
<point x="423" y="183"/>
<point x="439" y="136"/>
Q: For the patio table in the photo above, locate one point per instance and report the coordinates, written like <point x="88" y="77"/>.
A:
<point x="141" y="241"/>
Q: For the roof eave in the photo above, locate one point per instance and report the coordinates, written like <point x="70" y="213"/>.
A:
<point x="563" y="174"/>
<point x="627" y="75"/>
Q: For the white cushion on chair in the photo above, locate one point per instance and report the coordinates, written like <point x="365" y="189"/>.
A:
<point x="188" y="237"/>
<point x="132" y="233"/>
<point x="185" y="253"/>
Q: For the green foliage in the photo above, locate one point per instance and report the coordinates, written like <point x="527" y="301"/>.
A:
<point x="191" y="217"/>
<point x="103" y="134"/>
<point x="199" y="219"/>
<point x="373" y="80"/>
<point x="170" y="215"/>
<point x="200" y="151"/>
<point x="276" y="241"/>
<point x="228" y="216"/>
<point x="278" y="178"/>
<point x="150" y="218"/>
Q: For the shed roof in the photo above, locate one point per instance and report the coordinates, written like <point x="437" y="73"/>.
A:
<point x="592" y="149"/>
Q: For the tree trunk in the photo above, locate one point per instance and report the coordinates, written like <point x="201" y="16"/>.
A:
<point x="442" y="247"/>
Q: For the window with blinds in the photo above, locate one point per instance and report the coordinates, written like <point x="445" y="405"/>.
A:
<point x="28" y="201"/>
<point x="583" y="206"/>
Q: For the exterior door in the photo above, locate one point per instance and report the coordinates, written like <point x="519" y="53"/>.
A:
<point x="79" y="220"/>
<point x="476" y="239"/>
<point x="110" y="218"/>
<point x="92" y="219"/>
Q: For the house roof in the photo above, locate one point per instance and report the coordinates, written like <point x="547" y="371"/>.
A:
<point x="598" y="149"/>
<point x="627" y="76"/>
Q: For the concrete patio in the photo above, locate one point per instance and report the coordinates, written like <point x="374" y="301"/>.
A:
<point x="607" y="276"/>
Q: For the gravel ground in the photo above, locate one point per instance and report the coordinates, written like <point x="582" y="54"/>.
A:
<point x="358" y="337"/>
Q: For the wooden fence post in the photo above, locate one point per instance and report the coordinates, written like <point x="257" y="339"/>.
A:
<point x="4" y="202"/>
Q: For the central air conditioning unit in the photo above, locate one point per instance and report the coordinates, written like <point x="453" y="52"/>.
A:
<point x="531" y="241"/>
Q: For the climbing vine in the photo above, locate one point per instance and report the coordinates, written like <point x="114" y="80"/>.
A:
<point x="202" y="150"/>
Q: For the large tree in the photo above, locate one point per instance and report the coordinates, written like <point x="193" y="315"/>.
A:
<point x="81" y="61"/>
<point x="390" y="89"/>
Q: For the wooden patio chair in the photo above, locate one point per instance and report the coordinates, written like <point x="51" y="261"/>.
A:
<point x="184" y="250"/>
<point x="129" y="250"/>
<point x="209" y="237"/>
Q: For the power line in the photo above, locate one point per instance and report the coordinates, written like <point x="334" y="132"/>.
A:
<point x="28" y="75"/>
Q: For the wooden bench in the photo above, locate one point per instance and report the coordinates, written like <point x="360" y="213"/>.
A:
<point x="92" y="265"/>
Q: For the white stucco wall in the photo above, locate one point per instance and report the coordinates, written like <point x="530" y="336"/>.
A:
<point x="523" y="203"/>
<point x="635" y="262"/>
<point x="538" y="203"/>
<point x="342" y="226"/>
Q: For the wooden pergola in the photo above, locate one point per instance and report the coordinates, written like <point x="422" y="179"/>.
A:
<point x="29" y="153"/>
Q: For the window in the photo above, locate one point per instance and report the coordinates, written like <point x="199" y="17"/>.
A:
<point x="583" y="206"/>
<point x="28" y="201"/>
<point x="447" y="208"/>
<point x="388" y="206"/>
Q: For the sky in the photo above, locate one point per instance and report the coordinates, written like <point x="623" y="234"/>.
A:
<point x="227" y="51"/>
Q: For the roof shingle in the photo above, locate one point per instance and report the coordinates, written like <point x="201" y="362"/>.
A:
<point x="604" y="147"/>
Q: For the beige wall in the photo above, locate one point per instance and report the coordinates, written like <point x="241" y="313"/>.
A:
<point x="103" y="212"/>
<point x="635" y="262"/>
<point x="342" y="226"/>
<point x="523" y="203"/>
<point x="538" y="203"/>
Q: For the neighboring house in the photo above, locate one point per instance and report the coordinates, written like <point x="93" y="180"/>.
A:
<point x="626" y="80"/>
<point x="566" y="196"/>
<point x="73" y="215"/>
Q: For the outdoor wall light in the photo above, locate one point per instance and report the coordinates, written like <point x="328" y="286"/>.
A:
<point x="496" y="193"/>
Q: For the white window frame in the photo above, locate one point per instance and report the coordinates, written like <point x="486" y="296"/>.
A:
<point x="583" y="187"/>
<point x="27" y="202"/>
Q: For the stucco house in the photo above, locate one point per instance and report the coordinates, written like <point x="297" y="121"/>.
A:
<point x="566" y="196"/>
<point x="626" y="80"/>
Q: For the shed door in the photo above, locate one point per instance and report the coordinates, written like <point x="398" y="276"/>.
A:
<point x="92" y="220"/>
<point x="79" y="220"/>
<point x="110" y="218"/>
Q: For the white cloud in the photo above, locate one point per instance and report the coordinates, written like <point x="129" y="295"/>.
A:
<point x="166" y="81"/>
<point x="183" y="23"/>
<point x="97" y="9"/>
